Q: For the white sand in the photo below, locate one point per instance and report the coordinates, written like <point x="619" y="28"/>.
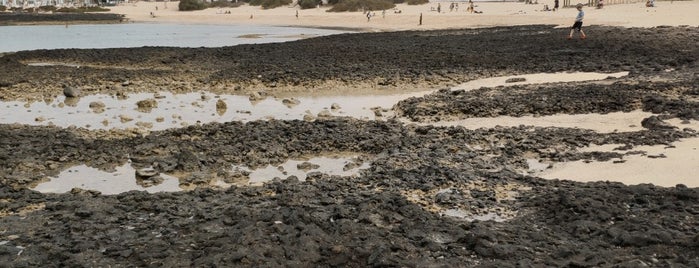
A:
<point x="679" y="165"/>
<point x="494" y="14"/>
<point x="660" y="165"/>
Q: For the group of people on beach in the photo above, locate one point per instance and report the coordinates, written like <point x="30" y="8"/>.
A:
<point x="455" y="7"/>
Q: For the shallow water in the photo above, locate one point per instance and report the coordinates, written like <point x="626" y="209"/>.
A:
<point x="88" y="178"/>
<point x="602" y="123"/>
<point x="17" y="38"/>
<point x="124" y="178"/>
<point x="177" y="110"/>
<point x="337" y="166"/>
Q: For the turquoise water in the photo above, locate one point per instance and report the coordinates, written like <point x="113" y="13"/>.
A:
<point x="17" y="38"/>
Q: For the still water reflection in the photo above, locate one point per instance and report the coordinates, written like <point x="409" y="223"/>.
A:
<point x="17" y="38"/>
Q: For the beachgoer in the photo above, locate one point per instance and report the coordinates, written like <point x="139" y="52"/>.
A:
<point x="577" y="26"/>
<point x="439" y="8"/>
<point x="555" y="5"/>
<point x="297" y="14"/>
<point x="600" y="4"/>
<point x="418" y="24"/>
<point x="368" y="15"/>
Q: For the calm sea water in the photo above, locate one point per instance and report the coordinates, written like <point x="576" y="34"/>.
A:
<point x="17" y="38"/>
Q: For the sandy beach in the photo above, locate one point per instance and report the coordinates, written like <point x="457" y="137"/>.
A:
<point x="667" y="13"/>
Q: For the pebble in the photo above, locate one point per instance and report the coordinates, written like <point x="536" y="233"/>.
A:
<point x="71" y="92"/>
<point x="324" y="114"/>
<point x="146" y="172"/>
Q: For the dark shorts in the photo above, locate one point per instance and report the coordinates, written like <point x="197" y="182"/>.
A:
<point x="577" y="25"/>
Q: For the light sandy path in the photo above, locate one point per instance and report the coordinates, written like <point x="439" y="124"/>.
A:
<point x="494" y="14"/>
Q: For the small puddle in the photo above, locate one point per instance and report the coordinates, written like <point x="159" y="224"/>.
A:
<point x="602" y="123"/>
<point x="465" y="215"/>
<point x="124" y="179"/>
<point x="44" y="64"/>
<point x="339" y="166"/>
<point x="169" y="110"/>
<point x="166" y="110"/>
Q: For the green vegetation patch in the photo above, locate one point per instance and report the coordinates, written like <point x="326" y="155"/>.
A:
<point x="417" y="2"/>
<point x="306" y="4"/>
<point x="267" y="4"/>
<point x="357" y="5"/>
<point x="189" y="5"/>
<point x="224" y="3"/>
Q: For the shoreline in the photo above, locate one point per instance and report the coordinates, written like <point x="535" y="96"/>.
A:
<point x="495" y="14"/>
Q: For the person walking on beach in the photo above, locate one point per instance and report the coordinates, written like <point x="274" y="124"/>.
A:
<point x="555" y="5"/>
<point x="577" y="26"/>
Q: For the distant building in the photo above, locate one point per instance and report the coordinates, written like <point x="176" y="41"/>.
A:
<point x="56" y="3"/>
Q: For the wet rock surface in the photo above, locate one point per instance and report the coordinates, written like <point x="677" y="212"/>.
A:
<point x="398" y="212"/>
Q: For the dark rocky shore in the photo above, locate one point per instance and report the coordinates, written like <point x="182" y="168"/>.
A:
<point x="388" y="216"/>
<point x="58" y="18"/>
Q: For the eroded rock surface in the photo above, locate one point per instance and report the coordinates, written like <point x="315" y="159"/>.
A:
<point x="432" y="196"/>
